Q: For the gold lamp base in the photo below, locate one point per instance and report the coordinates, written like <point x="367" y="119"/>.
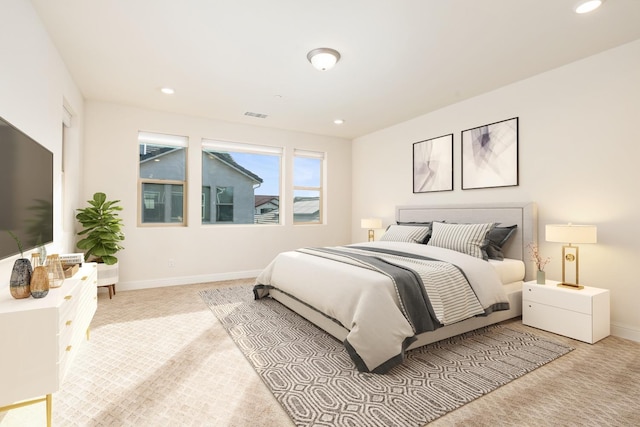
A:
<point x="570" y="286"/>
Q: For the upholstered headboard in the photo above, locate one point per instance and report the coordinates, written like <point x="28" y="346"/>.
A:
<point x="524" y="215"/>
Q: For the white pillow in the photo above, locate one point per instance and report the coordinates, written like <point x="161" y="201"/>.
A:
<point x="405" y="233"/>
<point x="466" y="238"/>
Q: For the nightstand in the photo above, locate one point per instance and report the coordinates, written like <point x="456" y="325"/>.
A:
<point x="580" y="314"/>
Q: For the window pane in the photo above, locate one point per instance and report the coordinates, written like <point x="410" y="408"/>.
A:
<point x="306" y="206"/>
<point x="224" y="195"/>
<point x="162" y="162"/>
<point x="307" y="172"/>
<point x="247" y="185"/>
<point x="224" y="213"/>
<point x="206" y="204"/>
<point x="162" y="203"/>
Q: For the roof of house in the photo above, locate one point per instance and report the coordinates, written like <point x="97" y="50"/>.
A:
<point x="228" y="159"/>
<point x="262" y="199"/>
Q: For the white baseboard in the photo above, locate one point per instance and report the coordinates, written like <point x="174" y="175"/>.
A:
<point x="185" y="280"/>
<point x="625" y="331"/>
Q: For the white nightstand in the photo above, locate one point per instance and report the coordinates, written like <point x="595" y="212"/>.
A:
<point x="580" y="314"/>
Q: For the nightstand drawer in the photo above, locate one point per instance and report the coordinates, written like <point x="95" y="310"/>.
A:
<point x="553" y="319"/>
<point x="551" y="295"/>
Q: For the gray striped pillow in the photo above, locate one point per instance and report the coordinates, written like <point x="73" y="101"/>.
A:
<point x="466" y="238"/>
<point x="405" y="233"/>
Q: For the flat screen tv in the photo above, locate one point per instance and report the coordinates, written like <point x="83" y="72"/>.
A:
<point x="26" y="191"/>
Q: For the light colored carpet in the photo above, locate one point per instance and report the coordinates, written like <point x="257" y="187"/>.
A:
<point x="158" y="357"/>
<point x="312" y="376"/>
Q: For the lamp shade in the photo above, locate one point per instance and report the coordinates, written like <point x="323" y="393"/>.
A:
<point x="371" y="223"/>
<point x="570" y="233"/>
<point x="323" y="58"/>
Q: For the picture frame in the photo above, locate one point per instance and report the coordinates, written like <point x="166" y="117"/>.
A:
<point x="490" y="155"/>
<point x="433" y="164"/>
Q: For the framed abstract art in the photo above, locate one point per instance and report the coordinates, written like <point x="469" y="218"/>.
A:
<point x="433" y="164"/>
<point x="490" y="155"/>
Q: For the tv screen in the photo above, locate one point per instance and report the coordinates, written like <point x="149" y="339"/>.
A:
<point x="26" y="191"/>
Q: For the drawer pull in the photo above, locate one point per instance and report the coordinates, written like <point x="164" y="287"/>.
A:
<point x="68" y="322"/>
<point x="68" y="297"/>
<point x="84" y="278"/>
<point x="68" y="348"/>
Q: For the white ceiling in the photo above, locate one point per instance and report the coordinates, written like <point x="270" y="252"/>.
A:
<point x="400" y="59"/>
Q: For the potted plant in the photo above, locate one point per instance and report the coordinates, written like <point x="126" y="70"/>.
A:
<point x="102" y="234"/>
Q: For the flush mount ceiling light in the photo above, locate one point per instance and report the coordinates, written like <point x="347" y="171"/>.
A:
<point x="338" y="121"/>
<point x="167" y="91"/>
<point x="323" y="58"/>
<point x="588" y="6"/>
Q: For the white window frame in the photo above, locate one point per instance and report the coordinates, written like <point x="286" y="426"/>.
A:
<point x="242" y="147"/>
<point x="153" y="138"/>
<point x="321" y="189"/>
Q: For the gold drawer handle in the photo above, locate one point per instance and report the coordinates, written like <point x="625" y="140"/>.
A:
<point x="68" y="297"/>
<point x="69" y="322"/>
<point x="68" y="348"/>
<point x="84" y="278"/>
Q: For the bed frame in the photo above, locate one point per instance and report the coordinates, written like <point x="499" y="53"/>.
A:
<point x="524" y="215"/>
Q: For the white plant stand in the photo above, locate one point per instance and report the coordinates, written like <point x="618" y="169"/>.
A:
<point x="108" y="277"/>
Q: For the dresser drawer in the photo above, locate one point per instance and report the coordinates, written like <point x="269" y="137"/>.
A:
<point x="554" y="296"/>
<point x="557" y="320"/>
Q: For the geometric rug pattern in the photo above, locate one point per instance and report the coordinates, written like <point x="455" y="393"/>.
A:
<point x="310" y="373"/>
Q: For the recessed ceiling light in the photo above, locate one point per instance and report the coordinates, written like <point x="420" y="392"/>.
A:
<point x="338" y="121"/>
<point x="588" y="6"/>
<point x="167" y="91"/>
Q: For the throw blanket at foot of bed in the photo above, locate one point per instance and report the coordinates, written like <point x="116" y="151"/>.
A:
<point x="384" y="293"/>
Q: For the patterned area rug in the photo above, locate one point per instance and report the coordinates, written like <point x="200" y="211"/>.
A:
<point x="311" y="375"/>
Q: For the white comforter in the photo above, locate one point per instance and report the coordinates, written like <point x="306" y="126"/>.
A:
<point x="365" y="302"/>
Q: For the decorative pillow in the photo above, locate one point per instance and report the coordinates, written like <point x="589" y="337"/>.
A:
<point x="405" y="233"/>
<point x="466" y="238"/>
<point x="420" y="224"/>
<point x="497" y="238"/>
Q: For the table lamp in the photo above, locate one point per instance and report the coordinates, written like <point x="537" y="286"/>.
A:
<point x="371" y="223"/>
<point x="570" y="234"/>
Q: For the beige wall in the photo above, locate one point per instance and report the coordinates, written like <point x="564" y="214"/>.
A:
<point x="579" y="151"/>
<point x="34" y="86"/>
<point x="200" y="253"/>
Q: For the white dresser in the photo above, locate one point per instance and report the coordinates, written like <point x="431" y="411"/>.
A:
<point x="580" y="314"/>
<point x="40" y="338"/>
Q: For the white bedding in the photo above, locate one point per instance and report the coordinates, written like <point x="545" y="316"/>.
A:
<point x="509" y="270"/>
<point x="365" y="302"/>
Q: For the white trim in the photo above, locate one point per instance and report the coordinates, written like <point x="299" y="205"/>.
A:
<point x="625" y="331"/>
<point x="239" y="147"/>
<point x="185" y="280"/>
<point x="307" y="153"/>
<point x="162" y="139"/>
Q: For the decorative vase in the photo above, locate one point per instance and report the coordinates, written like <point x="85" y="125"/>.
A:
<point x="540" y="277"/>
<point x="40" y="282"/>
<point x="55" y="271"/>
<point x="20" y="283"/>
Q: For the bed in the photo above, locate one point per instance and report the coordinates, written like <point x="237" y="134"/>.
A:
<point x="363" y="295"/>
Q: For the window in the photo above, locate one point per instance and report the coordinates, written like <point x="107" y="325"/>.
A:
<point x="307" y="187"/>
<point x="246" y="181"/>
<point x="162" y="181"/>
<point x="224" y="204"/>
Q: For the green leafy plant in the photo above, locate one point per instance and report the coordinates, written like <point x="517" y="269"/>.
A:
<point x="18" y="242"/>
<point x="102" y="229"/>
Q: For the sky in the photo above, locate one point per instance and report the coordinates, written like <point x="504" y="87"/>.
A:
<point x="306" y="171"/>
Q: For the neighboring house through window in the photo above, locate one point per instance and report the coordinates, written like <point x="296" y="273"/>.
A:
<point x="234" y="175"/>
<point x="162" y="179"/>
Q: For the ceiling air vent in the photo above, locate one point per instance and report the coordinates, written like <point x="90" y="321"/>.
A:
<point x="258" y="115"/>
